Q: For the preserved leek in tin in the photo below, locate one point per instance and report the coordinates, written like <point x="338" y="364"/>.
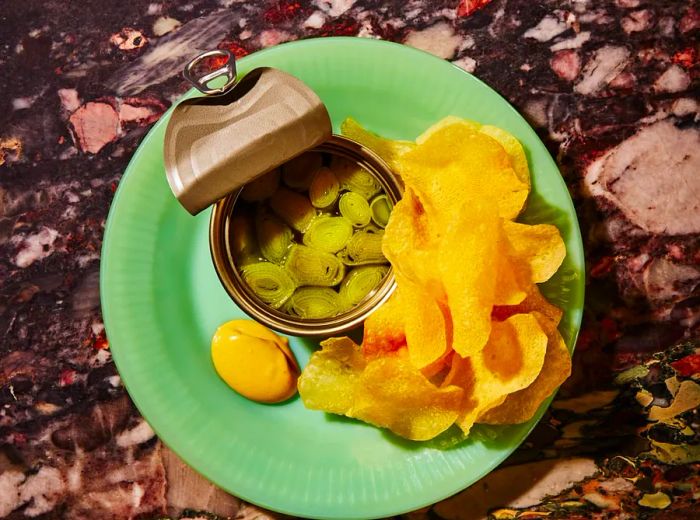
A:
<point x="307" y="237"/>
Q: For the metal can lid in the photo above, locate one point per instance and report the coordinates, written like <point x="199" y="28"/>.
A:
<point x="217" y="143"/>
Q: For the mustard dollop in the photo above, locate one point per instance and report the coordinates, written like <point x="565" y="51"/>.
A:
<point x="254" y="361"/>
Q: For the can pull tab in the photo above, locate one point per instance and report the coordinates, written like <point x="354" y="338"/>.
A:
<point x="226" y="69"/>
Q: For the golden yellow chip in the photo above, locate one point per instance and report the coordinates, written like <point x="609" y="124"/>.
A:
<point x="540" y="247"/>
<point x="467" y="278"/>
<point x="511" y="360"/>
<point x="510" y="290"/>
<point x="448" y="170"/>
<point x="384" y="329"/>
<point x="462" y="375"/>
<point x="437" y="370"/>
<point x="409" y="243"/>
<point x="388" y="391"/>
<point x="520" y="406"/>
<point x="533" y="302"/>
<point x="387" y="149"/>
<point x="514" y="149"/>
<point x="446" y="121"/>
<point x="426" y="322"/>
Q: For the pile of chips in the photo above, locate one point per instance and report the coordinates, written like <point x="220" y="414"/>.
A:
<point x="467" y="337"/>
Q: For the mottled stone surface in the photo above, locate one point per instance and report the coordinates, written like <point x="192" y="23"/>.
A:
<point x="611" y="86"/>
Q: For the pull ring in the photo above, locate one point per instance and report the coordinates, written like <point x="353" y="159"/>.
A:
<point x="228" y="69"/>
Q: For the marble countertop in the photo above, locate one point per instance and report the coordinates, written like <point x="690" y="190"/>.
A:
<point x="611" y="86"/>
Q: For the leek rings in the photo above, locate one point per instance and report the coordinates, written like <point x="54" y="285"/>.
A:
<point x="314" y="303"/>
<point x="293" y="208"/>
<point x="360" y="282"/>
<point x="274" y="237"/>
<point x="269" y="282"/>
<point x="365" y="247"/>
<point x="328" y="234"/>
<point x="355" y="208"/>
<point x="380" y="209"/>
<point x="324" y="188"/>
<point x="307" y="266"/>
<point x="243" y="243"/>
<point x="354" y="178"/>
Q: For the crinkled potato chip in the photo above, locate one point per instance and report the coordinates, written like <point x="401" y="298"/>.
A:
<point x="387" y="149"/>
<point x="426" y="321"/>
<point x="384" y="330"/>
<point x="446" y="121"/>
<point x="468" y="280"/>
<point x="540" y="247"/>
<point x="511" y="360"/>
<point x="410" y="245"/>
<point x="387" y="391"/>
<point x="438" y="369"/>
<point x="329" y="379"/>
<point x="509" y="143"/>
<point x="514" y="149"/>
<point x="510" y="290"/>
<point x="458" y="164"/>
<point x="522" y="405"/>
<point x="534" y="301"/>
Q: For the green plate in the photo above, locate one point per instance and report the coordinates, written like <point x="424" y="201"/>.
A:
<point x="162" y="301"/>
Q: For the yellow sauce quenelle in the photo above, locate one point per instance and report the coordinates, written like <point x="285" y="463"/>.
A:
<point x="254" y="361"/>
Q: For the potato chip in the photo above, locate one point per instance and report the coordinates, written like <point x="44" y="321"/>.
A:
<point x="534" y="301"/>
<point x="410" y="245"/>
<point x="384" y="329"/>
<point x="387" y="391"/>
<point x="511" y="360"/>
<point x="438" y="369"/>
<point x="448" y="169"/>
<point x="427" y="323"/>
<point x="510" y="290"/>
<point x="509" y="143"/>
<point x="468" y="280"/>
<point x="329" y="380"/>
<point x="446" y="121"/>
<point x="387" y="149"/>
<point x="522" y="405"/>
<point x="513" y="148"/>
<point x="462" y="375"/>
<point x="540" y="247"/>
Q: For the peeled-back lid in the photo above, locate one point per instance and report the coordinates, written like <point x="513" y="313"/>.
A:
<point x="217" y="143"/>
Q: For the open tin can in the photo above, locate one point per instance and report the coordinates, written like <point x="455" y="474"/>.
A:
<point x="218" y="143"/>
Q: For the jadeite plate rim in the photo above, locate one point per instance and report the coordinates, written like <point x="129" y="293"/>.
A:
<point x="149" y="409"/>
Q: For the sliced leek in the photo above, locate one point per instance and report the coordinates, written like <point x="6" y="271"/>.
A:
<point x="355" y="208"/>
<point x="324" y="188"/>
<point x="365" y="247"/>
<point x="314" y="303"/>
<point x="271" y="283"/>
<point x="299" y="172"/>
<point x="243" y="242"/>
<point x="274" y="237"/>
<point x="354" y="178"/>
<point x="307" y="266"/>
<point x="380" y="208"/>
<point x="293" y="208"/>
<point x="360" y="282"/>
<point x="261" y="188"/>
<point x="329" y="234"/>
